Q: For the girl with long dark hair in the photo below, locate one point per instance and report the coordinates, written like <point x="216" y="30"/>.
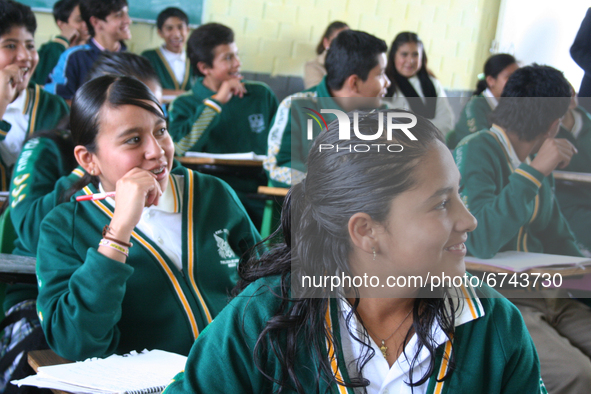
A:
<point x="152" y="265"/>
<point x="413" y="85"/>
<point x="376" y="214"/>
<point x="314" y="70"/>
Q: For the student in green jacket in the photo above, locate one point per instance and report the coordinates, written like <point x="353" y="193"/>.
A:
<point x="170" y="60"/>
<point x="355" y="65"/>
<point x="222" y="113"/>
<point x="151" y="266"/>
<point x="511" y="193"/>
<point x="475" y="115"/>
<point x="73" y="31"/>
<point x="575" y="199"/>
<point x="24" y="107"/>
<point x="374" y="214"/>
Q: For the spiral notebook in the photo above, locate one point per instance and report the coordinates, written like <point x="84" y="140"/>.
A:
<point x="136" y="373"/>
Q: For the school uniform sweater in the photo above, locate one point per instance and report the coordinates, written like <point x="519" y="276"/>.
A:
<point x="92" y="306"/>
<point x="49" y="55"/>
<point x="165" y="73"/>
<point x="575" y="199"/>
<point x="44" y="111"/>
<point x="493" y="351"/>
<point x="287" y="152"/>
<point x="474" y="117"/>
<point x="41" y="177"/>
<point x="514" y="203"/>
<point x="72" y="67"/>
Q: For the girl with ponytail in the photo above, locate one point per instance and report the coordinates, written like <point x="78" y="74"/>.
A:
<point x="474" y="116"/>
<point x="374" y="214"/>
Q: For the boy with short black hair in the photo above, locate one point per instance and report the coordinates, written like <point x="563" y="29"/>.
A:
<point x="511" y="193"/>
<point x="222" y="113"/>
<point x="24" y="107"/>
<point x="170" y="60"/>
<point x="355" y="67"/>
<point x="108" y="25"/>
<point x="73" y="32"/>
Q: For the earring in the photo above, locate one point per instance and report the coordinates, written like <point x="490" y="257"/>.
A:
<point x="374" y="253"/>
<point x="92" y="172"/>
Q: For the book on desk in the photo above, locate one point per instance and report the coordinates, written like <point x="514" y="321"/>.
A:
<point x="136" y="373"/>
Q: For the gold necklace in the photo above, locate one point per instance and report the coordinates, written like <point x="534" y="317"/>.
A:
<point x="384" y="348"/>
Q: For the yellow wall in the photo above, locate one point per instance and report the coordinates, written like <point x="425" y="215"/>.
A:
<point x="278" y="36"/>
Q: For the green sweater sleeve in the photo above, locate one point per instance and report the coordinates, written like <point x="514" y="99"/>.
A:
<point x="500" y="210"/>
<point x="285" y="164"/>
<point x="227" y="344"/>
<point x="49" y="54"/>
<point x="191" y="121"/>
<point x="38" y="184"/>
<point x="80" y="295"/>
<point x="474" y="117"/>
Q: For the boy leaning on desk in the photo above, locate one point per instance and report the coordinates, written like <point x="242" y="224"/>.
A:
<point x="512" y="197"/>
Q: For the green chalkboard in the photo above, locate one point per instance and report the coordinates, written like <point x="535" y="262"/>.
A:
<point x="142" y="10"/>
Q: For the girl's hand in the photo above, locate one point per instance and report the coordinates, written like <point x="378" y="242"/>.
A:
<point x="10" y="76"/>
<point x="134" y="191"/>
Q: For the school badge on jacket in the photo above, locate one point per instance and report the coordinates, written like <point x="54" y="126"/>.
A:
<point x="227" y="255"/>
<point x="257" y="123"/>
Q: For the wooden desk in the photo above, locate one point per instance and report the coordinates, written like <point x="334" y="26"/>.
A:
<point x="581" y="177"/>
<point x="214" y="166"/>
<point x="223" y="162"/>
<point x="43" y="358"/>
<point x="17" y="269"/>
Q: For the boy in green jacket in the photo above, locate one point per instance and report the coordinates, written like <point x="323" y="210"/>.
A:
<point x="73" y="31"/>
<point x="512" y="197"/>
<point x="24" y="107"/>
<point x="355" y="65"/>
<point x="222" y="113"/>
<point x="170" y="60"/>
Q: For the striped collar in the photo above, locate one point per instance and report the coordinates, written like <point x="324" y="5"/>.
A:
<point x="501" y="135"/>
<point x="170" y="201"/>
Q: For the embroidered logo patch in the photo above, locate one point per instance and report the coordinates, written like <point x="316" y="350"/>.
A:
<point x="257" y="123"/>
<point x="227" y="255"/>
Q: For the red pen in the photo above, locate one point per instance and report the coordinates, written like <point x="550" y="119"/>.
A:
<point x="96" y="196"/>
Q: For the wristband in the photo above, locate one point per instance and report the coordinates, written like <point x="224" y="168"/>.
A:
<point x="114" y="245"/>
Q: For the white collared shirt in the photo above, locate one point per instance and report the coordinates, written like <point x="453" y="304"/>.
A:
<point x="177" y="62"/>
<point x="162" y="224"/>
<point x="490" y="98"/>
<point x="383" y="378"/>
<point x="12" y="145"/>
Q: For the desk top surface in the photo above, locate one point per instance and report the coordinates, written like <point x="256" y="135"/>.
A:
<point x="583" y="177"/>
<point x="13" y="264"/>
<point x="221" y="162"/>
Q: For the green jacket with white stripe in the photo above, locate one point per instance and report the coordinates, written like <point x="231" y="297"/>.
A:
<point x="41" y="177"/>
<point x="165" y="74"/>
<point x="93" y="306"/>
<point x="493" y="352"/>
<point x="515" y="206"/>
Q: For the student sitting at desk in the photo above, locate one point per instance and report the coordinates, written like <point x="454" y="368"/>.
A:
<point x="73" y="31"/>
<point x="475" y="115"/>
<point x="398" y="214"/>
<point x="108" y="24"/>
<point x="45" y="174"/>
<point x="355" y="65"/>
<point x="24" y="106"/>
<point x="170" y="60"/>
<point x="222" y="113"/>
<point x="512" y="197"/>
<point x="151" y="266"/>
<point x="575" y="199"/>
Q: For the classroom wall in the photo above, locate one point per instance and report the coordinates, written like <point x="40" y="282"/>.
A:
<point x="279" y="36"/>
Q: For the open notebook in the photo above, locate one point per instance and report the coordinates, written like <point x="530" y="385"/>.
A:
<point x="146" y="372"/>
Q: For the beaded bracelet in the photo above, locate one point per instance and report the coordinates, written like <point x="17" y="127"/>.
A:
<point x="114" y="245"/>
<point x="107" y="230"/>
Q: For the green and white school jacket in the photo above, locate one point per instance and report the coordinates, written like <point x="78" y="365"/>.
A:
<point x="288" y="140"/>
<point x="44" y="110"/>
<point x="475" y="116"/>
<point x="493" y="351"/>
<point x="93" y="306"/>
<point x="514" y="203"/>
<point x="41" y="177"/>
<point x="165" y="73"/>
